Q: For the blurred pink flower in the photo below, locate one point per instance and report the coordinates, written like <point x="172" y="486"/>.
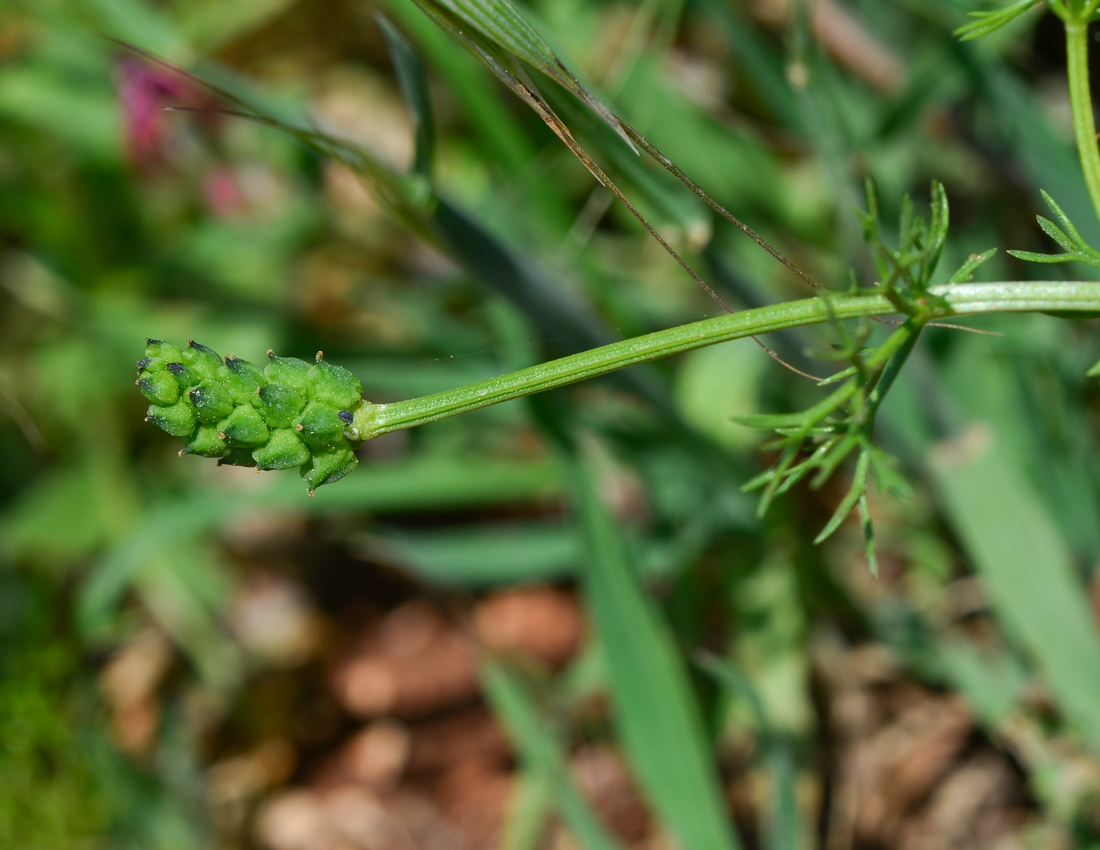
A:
<point x="144" y="91"/>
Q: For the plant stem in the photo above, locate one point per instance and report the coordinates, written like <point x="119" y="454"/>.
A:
<point x="372" y="420"/>
<point x="1080" y="98"/>
<point x="886" y="380"/>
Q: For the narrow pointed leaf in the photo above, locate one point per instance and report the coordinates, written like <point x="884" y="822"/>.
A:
<point x="859" y="486"/>
<point x="542" y="754"/>
<point x="414" y="89"/>
<point x="654" y="708"/>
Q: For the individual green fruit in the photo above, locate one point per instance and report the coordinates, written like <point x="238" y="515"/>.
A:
<point x="212" y="402"/>
<point x="320" y="426"/>
<point x="159" y="387"/>
<point x="203" y="360"/>
<point x="333" y="385"/>
<point x="207" y="441"/>
<point x="184" y="377"/>
<point x="159" y="352"/>
<point x="283" y="451"/>
<point x="288" y="370"/>
<point x="244" y="427"/>
<point x="328" y="466"/>
<point x="243" y="381"/>
<point x="177" y="419"/>
<point x="279" y="404"/>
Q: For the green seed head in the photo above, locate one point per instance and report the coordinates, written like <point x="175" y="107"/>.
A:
<point x="290" y="414"/>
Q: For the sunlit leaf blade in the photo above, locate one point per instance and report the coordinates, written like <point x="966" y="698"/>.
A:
<point x="654" y="708"/>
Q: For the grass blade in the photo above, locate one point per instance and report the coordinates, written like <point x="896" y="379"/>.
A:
<point x="542" y="754"/>
<point x="414" y="89"/>
<point x="654" y="707"/>
<point x="1027" y="568"/>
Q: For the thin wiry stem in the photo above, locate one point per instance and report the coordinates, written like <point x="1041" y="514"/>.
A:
<point x="1080" y="97"/>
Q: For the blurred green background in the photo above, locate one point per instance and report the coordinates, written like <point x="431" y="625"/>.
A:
<point x="193" y="656"/>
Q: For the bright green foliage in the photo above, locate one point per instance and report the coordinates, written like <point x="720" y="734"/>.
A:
<point x="843" y="423"/>
<point x="1067" y="236"/>
<point x="290" y="414"/>
<point x="986" y="22"/>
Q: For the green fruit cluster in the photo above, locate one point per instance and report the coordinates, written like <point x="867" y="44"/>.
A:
<point x="289" y="414"/>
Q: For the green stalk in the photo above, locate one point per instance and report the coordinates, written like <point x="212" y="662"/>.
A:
<point x="909" y="332"/>
<point x="372" y="420"/>
<point x="1080" y="98"/>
